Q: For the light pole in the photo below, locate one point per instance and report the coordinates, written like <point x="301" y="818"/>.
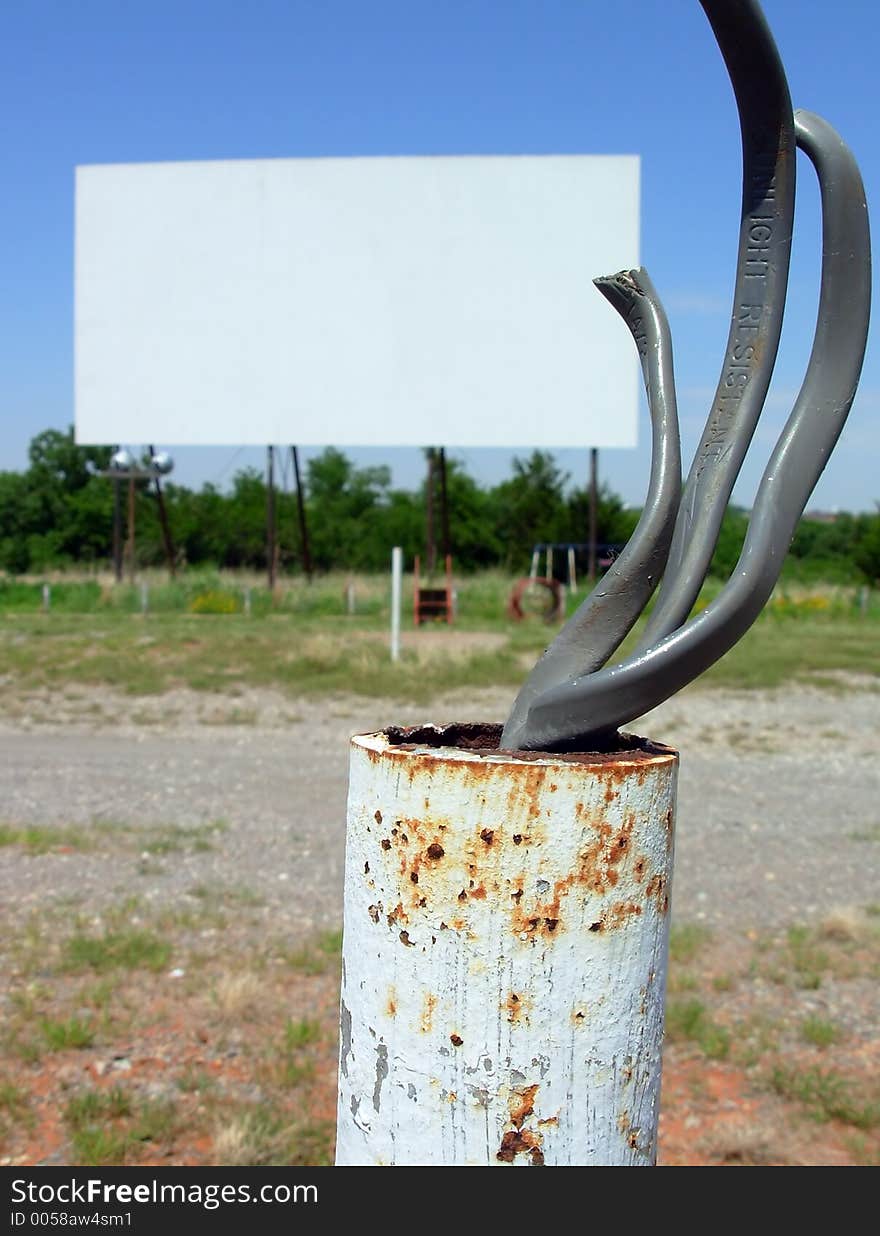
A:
<point x="123" y="468"/>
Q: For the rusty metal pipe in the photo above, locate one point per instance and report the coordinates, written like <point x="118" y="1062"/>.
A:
<point x="504" y="952"/>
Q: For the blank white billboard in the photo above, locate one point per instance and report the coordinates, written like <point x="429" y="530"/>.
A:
<point x="356" y="302"/>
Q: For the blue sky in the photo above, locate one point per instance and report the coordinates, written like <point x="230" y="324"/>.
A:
<point x="130" y="81"/>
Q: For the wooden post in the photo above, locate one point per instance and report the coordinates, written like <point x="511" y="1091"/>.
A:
<point x="444" y="505"/>
<point x="301" y="511"/>
<point x="594" y="469"/>
<point x="270" y="516"/>
<point x="431" y="545"/>
<point x="131" y="494"/>
<point x="117" y="531"/>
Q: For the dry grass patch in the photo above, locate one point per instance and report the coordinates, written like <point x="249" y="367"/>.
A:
<point x="238" y="996"/>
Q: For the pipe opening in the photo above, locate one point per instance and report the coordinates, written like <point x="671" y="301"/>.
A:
<point x="484" y="738"/>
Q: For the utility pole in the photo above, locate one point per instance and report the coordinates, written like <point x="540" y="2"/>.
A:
<point x="270" y="516"/>
<point x="594" y="471"/>
<point x="117" y="531"/>
<point x="444" y="505"/>
<point x="130" y="544"/>
<point x="430" y="542"/>
<point x="124" y="468"/>
<point x="301" y="510"/>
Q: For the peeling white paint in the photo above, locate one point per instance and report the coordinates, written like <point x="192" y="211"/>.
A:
<point x="505" y="943"/>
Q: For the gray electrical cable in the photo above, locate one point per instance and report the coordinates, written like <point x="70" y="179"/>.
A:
<point x="593" y="633"/>
<point x="590" y="708"/>
<point x="768" y="149"/>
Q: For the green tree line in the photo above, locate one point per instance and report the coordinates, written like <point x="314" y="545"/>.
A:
<point x="59" y="512"/>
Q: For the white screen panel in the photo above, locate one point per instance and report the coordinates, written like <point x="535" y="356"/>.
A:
<point x="381" y="301"/>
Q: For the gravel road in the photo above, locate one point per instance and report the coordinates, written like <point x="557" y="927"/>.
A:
<point x="778" y="818"/>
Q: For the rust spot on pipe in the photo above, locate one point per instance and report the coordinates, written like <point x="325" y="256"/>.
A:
<point x="428" y="1012"/>
<point x="656" y="888"/>
<point x="522" y="1104"/>
<point x="521" y="1141"/>
<point x="620" y="912"/>
<point x="435" y="851"/>
<point x="479" y="892"/>
<point x="375" y="911"/>
<point x="518" y="1140"/>
<point x="487" y="835"/>
<point x="391" y="1005"/>
<point x="517" y="1007"/>
<point x="404" y="939"/>
<point x="397" y="913"/>
<point x="670" y="830"/>
<point x="456" y="1040"/>
<point x="385" y="843"/>
<point x="517" y="838"/>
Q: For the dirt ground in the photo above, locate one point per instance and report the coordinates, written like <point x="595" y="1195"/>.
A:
<point x="216" y="824"/>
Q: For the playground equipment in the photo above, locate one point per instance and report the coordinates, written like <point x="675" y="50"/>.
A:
<point x="433" y="604"/>
<point x="554" y="609"/>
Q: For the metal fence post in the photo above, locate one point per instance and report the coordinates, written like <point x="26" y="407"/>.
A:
<point x="504" y="954"/>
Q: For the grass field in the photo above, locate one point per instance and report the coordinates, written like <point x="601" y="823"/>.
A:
<point x="197" y="1033"/>
<point x="196" y="634"/>
<point x="146" y="1039"/>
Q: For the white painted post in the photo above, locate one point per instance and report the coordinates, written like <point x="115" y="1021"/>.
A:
<point x="548" y="563"/>
<point x="572" y="575"/>
<point x="145" y="597"/>
<point x="396" y="579"/>
<point x="505" y="946"/>
<point x="247" y="602"/>
<point x="349" y="596"/>
<point x="533" y="570"/>
<point x="47" y="598"/>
